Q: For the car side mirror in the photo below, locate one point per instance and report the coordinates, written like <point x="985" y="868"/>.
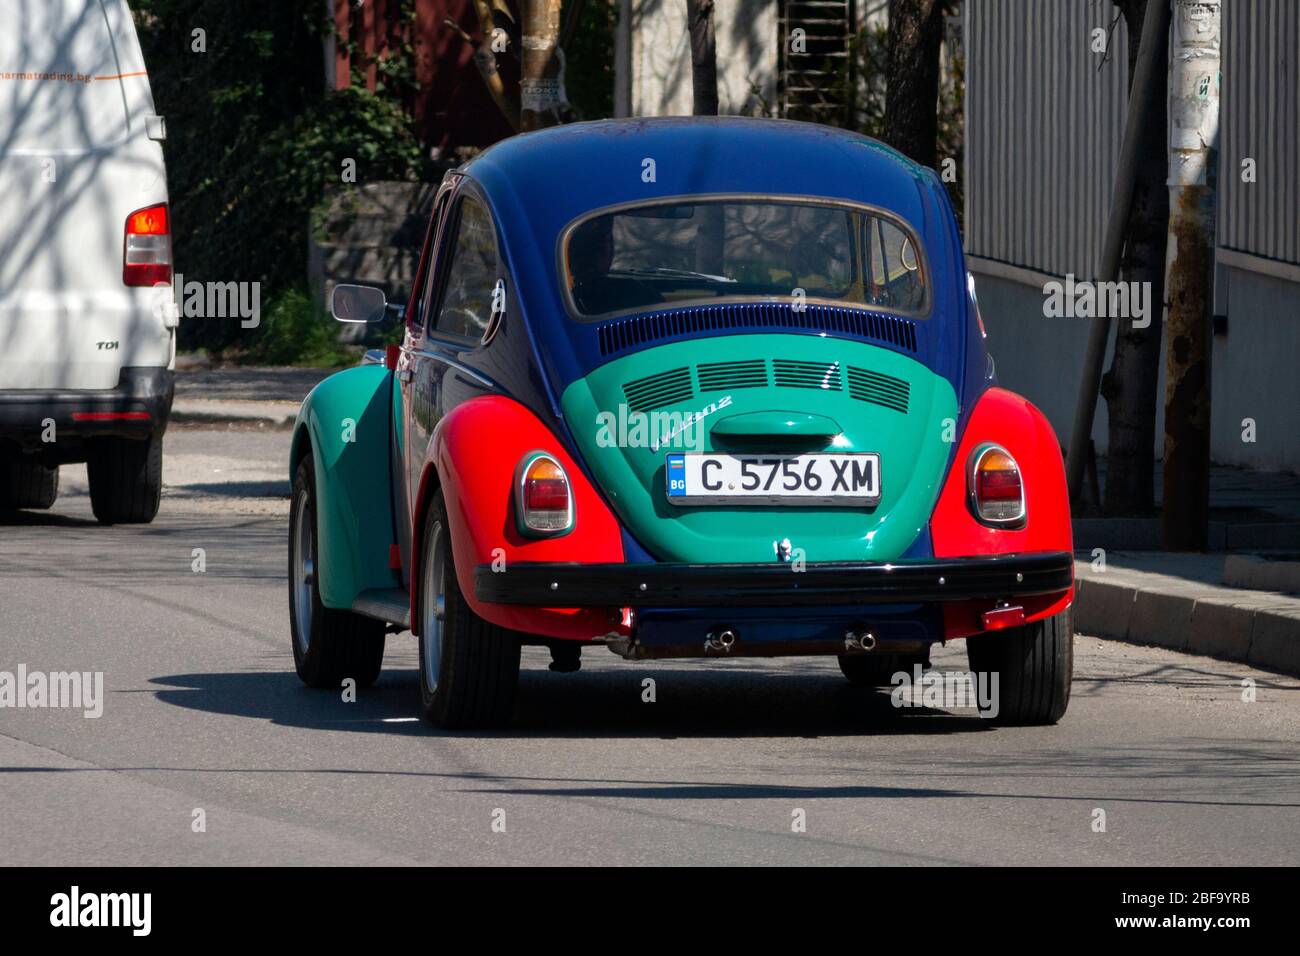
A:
<point x="358" y="303"/>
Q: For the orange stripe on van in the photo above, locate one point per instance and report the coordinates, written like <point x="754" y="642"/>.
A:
<point x="122" y="76"/>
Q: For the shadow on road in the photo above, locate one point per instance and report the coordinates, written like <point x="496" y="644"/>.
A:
<point x="691" y="703"/>
<point x="43" y="519"/>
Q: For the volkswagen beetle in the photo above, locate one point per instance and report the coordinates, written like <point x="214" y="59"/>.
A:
<point x="681" y="388"/>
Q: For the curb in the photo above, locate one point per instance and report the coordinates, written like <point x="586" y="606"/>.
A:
<point x="1260" y="629"/>
<point x="276" y="416"/>
<point x="1145" y="534"/>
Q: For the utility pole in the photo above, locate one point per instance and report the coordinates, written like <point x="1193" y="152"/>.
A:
<point x="1193" y="181"/>
<point x="539" y="83"/>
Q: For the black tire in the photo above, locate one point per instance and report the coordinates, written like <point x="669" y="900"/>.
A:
<point x="477" y="662"/>
<point x="875" y="670"/>
<point x="1034" y="664"/>
<point x="125" y="479"/>
<point x="333" y="644"/>
<point x="27" y="484"/>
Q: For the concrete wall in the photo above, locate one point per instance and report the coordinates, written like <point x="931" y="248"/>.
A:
<point x="1041" y="357"/>
<point x="1256" y="370"/>
<point x="653" y="57"/>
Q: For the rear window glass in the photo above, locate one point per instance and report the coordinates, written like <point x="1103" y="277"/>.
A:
<point x="59" y="77"/>
<point x="657" y="256"/>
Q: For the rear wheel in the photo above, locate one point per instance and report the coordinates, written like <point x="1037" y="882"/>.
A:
<point x="329" y="644"/>
<point x="469" y="668"/>
<point x="875" y="670"/>
<point x="125" y="479"/>
<point x="1034" y="665"/>
<point x="25" y="483"/>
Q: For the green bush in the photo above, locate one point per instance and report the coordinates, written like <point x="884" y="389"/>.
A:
<point x="294" y="332"/>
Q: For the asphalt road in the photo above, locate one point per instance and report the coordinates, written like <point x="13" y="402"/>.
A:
<point x="202" y="712"/>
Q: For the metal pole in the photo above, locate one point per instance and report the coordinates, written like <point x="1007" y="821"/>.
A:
<point x="1147" y="86"/>
<point x="1193" y="181"/>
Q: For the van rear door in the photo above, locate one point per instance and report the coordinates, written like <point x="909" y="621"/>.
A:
<point x="76" y="159"/>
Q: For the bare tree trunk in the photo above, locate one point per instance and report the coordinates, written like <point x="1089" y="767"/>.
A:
<point x="912" y="78"/>
<point x="539" y="83"/>
<point x="1129" y="387"/>
<point x="704" y="58"/>
<point x="1193" y="172"/>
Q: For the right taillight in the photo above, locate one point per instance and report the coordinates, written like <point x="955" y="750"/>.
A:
<point x="545" y="501"/>
<point x="997" y="493"/>
<point x="147" y="247"/>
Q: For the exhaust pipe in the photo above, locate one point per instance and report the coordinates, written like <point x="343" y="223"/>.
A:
<point x="720" y="641"/>
<point x="859" y="639"/>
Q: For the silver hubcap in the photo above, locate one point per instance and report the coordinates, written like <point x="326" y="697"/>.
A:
<point x="433" y="608"/>
<point x="304" y="568"/>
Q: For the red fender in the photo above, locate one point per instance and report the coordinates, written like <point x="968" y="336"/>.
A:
<point x="1014" y="423"/>
<point x="475" y="450"/>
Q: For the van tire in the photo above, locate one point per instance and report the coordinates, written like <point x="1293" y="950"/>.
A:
<point x="27" y="484"/>
<point x="125" y="479"/>
<point x="1035" y="665"/>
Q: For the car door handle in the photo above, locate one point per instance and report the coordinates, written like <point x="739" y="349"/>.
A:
<point x="405" y="374"/>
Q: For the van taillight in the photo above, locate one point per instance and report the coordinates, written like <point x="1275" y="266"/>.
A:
<point x="147" y="248"/>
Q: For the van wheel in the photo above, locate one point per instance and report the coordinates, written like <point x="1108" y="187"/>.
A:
<point x="875" y="670"/>
<point x="1034" y="664"/>
<point x="27" y="484"/>
<point x="125" y="479"/>
<point x="469" y="668"/>
<point x="329" y="644"/>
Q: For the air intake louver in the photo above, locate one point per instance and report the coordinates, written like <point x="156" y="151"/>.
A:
<point x="620" y="335"/>
<point x="654" y="391"/>
<point x="721" y="375"/>
<point x="879" y="389"/>
<point x="792" y="374"/>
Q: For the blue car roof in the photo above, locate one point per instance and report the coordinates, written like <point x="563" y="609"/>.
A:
<point x="538" y="183"/>
<point x="555" y="175"/>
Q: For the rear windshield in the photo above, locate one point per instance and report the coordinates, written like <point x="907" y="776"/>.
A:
<point x="59" y="77"/>
<point x="656" y="256"/>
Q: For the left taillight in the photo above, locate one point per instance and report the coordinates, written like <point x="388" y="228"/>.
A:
<point x="997" y="493"/>
<point x="147" y="247"/>
<point x="544" y="498"/>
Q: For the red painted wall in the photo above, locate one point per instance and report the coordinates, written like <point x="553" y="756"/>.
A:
<point x="452" y="107"/>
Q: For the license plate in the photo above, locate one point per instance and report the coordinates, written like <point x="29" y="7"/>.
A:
<point x="708" y="478"/>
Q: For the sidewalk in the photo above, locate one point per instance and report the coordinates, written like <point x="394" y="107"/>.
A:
<point x="1181" y="601"/>
<point x="1240" y="602"/>
<point x="1248" y="510"/>
<point x="266" y="398"/>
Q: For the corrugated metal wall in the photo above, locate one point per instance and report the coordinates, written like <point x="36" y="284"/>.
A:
<point x="1261" y="120"/>
<point x="1045" y="117"/>
<point x="1044" y="121"/>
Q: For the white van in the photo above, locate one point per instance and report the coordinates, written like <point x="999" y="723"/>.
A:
<point x="87" y="344"/>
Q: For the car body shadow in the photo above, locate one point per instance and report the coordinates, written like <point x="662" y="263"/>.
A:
<point x="706" y="701"/>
